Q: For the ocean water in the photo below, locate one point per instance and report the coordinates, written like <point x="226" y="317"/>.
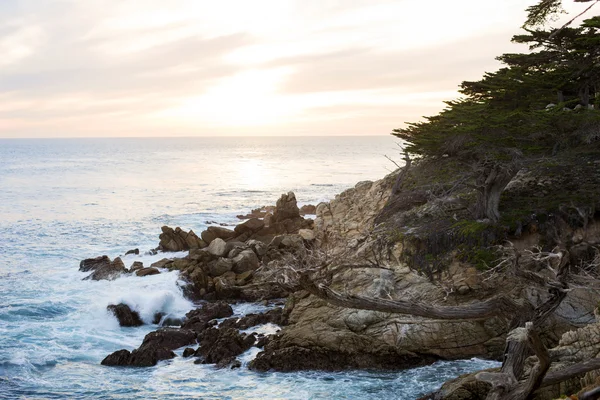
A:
<point x="64" y="200"/>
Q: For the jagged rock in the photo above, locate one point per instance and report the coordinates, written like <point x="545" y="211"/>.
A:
<point x="133" y="251"/>
<point x="222" y="345"/>
<point x="245" y="261"/>
<point x="220" y="267"/>
<point x="179" y="240"/>
<point x="216" y="232"/>
<point x="235" y="248"/>
<point x="161" y="263"/>
<point x="157" y="345"/>
<point x="465" y="387"/>
<point x="199" y="284"/>
<point x="136" y="266"/>
<point x="218" y="247"/>
<point x="225" y="286"/>
<point x="243" y="278"/>
<point x="147" y="271"/>
<point x="125" y="315"/>
<point x="286" y="208"/>
<point x="198" y="319"/>
<point x="250" y="226"/>
<point x="102" y="268"/>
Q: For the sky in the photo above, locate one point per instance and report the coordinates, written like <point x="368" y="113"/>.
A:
<point x="106" y="68"/>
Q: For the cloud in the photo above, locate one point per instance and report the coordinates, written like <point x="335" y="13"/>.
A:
<point x="199" y="67"/>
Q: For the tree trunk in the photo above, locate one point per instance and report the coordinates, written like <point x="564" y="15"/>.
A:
<point x="491" y="182"/>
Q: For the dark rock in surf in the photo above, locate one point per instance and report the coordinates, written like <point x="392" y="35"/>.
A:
<point x="103" y="268"/>
<point x="157" y="346"/>
<point x="147" y="271"/>
<point x="133" y="251"/>
<point x="221" y="345"/>
<point x="125" y="315"/>
<point x="200" y="319"/>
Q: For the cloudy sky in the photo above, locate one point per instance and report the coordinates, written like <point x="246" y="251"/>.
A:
<point x="223" y="67"/>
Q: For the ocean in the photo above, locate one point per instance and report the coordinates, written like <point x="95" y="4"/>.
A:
<point x="63" y="200"/>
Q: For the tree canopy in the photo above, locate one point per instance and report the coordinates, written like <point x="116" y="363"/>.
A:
<point x="537" y="104"/>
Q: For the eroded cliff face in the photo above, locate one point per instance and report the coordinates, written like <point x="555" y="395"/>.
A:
<point x="348" y="338"/>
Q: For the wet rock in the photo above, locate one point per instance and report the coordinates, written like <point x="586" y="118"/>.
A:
<point x="172" y="321"/>
<point x="274" y="316"/>
<point x="102" y="268"/>
<point x="134" y="251"/>
<point x="199" y="319"/>
<point x="297" y="358"/>
<point x="188" y="352"/>
<point x="157" y="346"/>
<point x="147" y="271"/>
<point x="125" y="315"/>
<point x="136" y="266"/>
<point x="222" y="345"/>
<point x="179" y="240"/>
<point x="216" y="232"/>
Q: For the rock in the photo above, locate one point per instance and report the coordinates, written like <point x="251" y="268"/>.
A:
<point x="222" y="345"/>
<point x="289" y="242"/>
<point x="218" y="247"/>
<point x="220" y="267"/>
<point x="147" y="271"/>
<point x="245" y="261"/>
<point x="243" y="278"/>
<point x="103" y="268"/>
<point x="136" y="265"/>
<point x="179" y="240"/>
<point x="257" y="246"/>
<point x="250" y="226"/>
<point x="172" y="321"/>
<point x="161" y="263"/>
<point x="198" y="319"/>
<point x="125" y="315"/>
<point x="134" y="251"/>
<point x="286" y="208"/>
<point x="465" y="387"/>
<point x="307" y="234"/>
<point x="308" y="209"/>
<point x="188" y="352"/>
<point x="274" y="316"/>
<point x="316" y="358"/>
<point x="157" y="346"/>
<point x="216" y="232"/>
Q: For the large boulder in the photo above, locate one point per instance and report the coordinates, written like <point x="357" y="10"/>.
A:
<point x="219" y="267"/>
<point x="245" y="261"/>
<point x="102" y="268"/>
<point x="250" y="226"/>
<point x="157" y="346"/>
<point x="218" y="247"/>
<point x="179" y="240"/>
<point x="125" y="315"/>
<point x="213" y="232"/>
<point x="147" y="271"/>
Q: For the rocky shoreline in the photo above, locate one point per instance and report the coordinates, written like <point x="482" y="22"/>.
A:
<point x="249" y="262"/>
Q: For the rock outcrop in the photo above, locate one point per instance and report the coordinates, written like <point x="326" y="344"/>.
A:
<point x="157" y="346"/>
<point x="102" y="268"/>
<point x="179" y="240"/>
<point x="125" y="315"/>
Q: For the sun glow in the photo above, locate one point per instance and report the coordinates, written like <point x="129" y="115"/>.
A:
<point x="248" y="98"/>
